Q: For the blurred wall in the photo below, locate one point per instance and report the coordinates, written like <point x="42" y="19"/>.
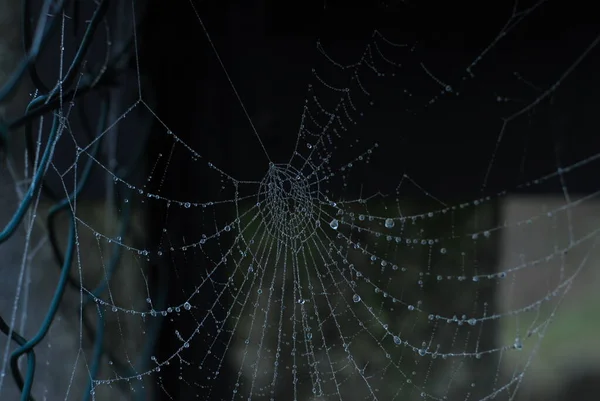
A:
<point x="570" y="347"/>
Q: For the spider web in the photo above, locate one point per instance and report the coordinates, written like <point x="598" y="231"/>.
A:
<point x="332" y="291"/>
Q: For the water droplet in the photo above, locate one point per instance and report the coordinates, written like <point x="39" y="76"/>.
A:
<point x="397" y="340"/>
<point x="443" y="251"/>
<point x="334" y="224"/>
<point x="518" y="344"/>
<point x="187" y="306"/>
<point x="389" y="223"/>
<point x="356" y="298"/>
<point x="472" y="321"/>
<point x="187" y="205"/>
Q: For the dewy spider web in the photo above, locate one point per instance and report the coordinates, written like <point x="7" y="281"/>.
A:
<point x="328" y="296"/>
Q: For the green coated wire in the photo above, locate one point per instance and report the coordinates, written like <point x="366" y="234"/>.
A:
<point x="40" y="37"/>
<point x="56" y="299"/>
<point x="34" y="187"/>
<point x="20" y="341"/>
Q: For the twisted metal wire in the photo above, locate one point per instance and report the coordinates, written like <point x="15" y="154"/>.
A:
<point x="50" y="99"/>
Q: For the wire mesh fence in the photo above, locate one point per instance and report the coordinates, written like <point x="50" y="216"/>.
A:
<point x="75" y="57"/>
